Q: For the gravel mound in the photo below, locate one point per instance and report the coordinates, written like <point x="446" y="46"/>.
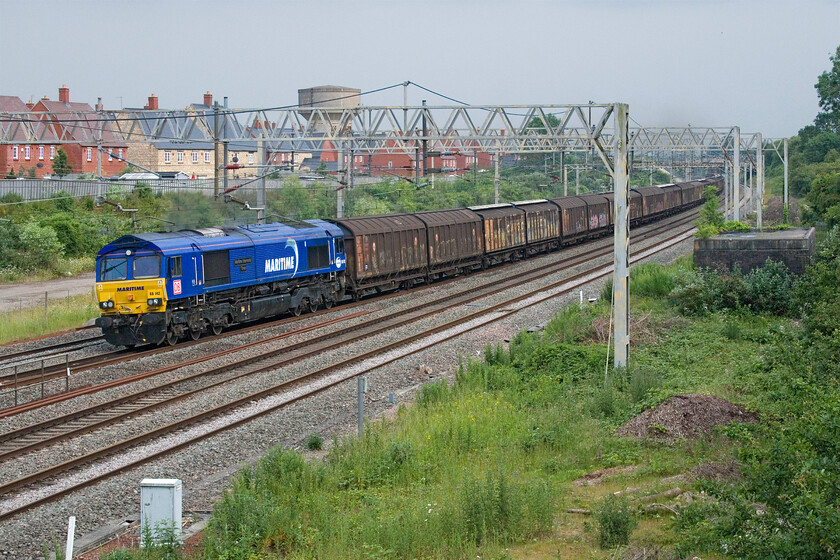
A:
<point x="685" y="416"/>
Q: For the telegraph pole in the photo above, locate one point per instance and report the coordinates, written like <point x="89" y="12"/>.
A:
<point x="736" y="176"/>
<point x="496" y="178"/>
<point x="423" y="142"/>
<point x="339" y="193"/>
<point x="225" y="149"/>
<point x="759" y="179"/>
<point x="261" y="186"/>
<point x="621" y="241"/>
<point x="786" y="210"/>
<point x="216" y="163"/>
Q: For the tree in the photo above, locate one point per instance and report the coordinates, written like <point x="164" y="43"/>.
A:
<point x="536" y="123"/>
<point x="828" y="89"/>
<point x="60" y="165"/>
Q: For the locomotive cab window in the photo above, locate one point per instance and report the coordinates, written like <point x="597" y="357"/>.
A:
<point x="175" y="266"/>
<point x="146" y="266"/>
<point x="339" y="246"/>
<point x="115" y="268"/>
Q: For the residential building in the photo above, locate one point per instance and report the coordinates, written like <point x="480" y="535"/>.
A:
<point x="80" y="123"/>
<point x="20" y="155"/>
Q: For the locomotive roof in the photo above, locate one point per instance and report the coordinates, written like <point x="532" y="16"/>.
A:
<point x="212" y="239"/>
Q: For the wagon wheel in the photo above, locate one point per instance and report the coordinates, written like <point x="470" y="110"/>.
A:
<point x="217" y="329"/>
<point x="171" y="337"/>
<point x="195" y="334"/>
<point x="314" y="303"/>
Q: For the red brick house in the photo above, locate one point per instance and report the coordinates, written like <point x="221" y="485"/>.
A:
<point x="82" y="154"/>
<point x="21" y="155"/>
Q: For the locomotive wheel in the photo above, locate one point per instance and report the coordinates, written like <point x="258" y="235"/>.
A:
<point x="298" y="309"/>
<point x="195" y="334"/>
<point x="314" y="304"/>
<point x="171" y="337"/>
<point x="328" y="303"/>
<point x="217" y="329"/>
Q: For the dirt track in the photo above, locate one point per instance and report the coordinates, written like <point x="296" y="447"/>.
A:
<point x="31" y="294"/>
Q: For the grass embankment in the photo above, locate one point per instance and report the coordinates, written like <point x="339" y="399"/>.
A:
<point x="485" y="467"/>
<point x="62" y="315"/>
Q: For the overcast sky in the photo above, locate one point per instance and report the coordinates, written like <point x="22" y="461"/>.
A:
<point x="701" y="62"/>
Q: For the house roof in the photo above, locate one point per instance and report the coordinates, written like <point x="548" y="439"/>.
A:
<point x="13" y="104"/>
<point x="85" y="125"/>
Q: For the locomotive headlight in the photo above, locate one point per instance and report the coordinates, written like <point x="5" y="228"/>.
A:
<point x="106" y="304"/>
<point x="154" y="302"/>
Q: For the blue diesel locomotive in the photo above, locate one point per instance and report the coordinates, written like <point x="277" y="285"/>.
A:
<point x="157" y="287"/>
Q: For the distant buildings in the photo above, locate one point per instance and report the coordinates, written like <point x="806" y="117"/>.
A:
<point x="180" y="146"/>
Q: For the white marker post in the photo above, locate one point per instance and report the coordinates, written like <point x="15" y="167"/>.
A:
<point x="71" y="536"/>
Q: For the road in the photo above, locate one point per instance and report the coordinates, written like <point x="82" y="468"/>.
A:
<point x="24" y="295"/>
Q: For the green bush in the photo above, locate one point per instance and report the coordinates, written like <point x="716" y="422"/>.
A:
<point x="642" y="381"/>
<point x="710" y="216"/>
<point x="614" y="521"/>
<point x="77" y="237"/>
<point x="768" y="289"/>
<point x="651" y="280"/>
<point x="734" y="226"/>
<point x="314" y="441"/>
<point x="40" y="243"/>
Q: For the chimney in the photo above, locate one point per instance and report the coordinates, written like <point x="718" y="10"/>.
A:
<point x="99" y="104"/>
<point x="30" y="104"/>
<point x="208" y="99"/>
<point x="64" y="94"/>
<point x="153" y="102"/>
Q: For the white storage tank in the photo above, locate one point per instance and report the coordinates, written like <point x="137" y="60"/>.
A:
<point x="160" y="507"/>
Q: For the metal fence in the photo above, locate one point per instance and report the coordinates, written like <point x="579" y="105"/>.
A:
<point x="43" y="189"/>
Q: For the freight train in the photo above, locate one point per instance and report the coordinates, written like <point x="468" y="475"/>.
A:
<point x="156" y="288"/>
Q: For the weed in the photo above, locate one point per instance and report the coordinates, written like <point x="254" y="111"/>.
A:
<point x="614" y="521"/>
<point x="642" y="381"/>
<point x="314" y="441"/>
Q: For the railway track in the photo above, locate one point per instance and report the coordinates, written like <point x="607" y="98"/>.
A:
<point x="63" y="367"/>
<point x="516" y="276"/>
<point x="269" y="362"/>
<point x="48" y="350"/>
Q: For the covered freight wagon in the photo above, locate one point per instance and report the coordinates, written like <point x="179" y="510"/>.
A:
<point x="653" y="201"/>
<point x="635" y="209"/>
<point x="692" y="192"/>
<point x="504" y="232"/>
<point x="542" y="221"/>
<point x="574" y="220"/>
<point x="454" y="241"/>
<point x="673" y="197"/>
<point x="384" y="252"/>
<point x="599" y="213"/>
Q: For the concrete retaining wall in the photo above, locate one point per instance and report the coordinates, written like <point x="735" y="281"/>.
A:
<point x="794" y="247"/>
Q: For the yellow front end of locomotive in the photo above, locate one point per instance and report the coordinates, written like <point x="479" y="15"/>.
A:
<point x="131" y="297"/>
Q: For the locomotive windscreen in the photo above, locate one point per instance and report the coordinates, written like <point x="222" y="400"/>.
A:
<point x="216" y="268"/>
